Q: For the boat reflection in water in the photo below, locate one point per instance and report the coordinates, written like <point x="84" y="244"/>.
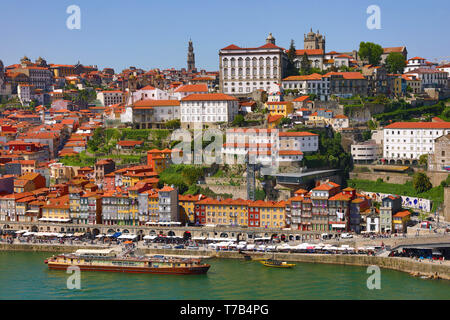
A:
<point x="110" y="261"/>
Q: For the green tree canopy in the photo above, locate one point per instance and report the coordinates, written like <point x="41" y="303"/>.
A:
<point x="370" y="51"/>
<point x="421" y="182"/>
<point x="305" y="64"/>
<point x="291" y="69"/>
<point x="395" y="62"/>
<point x="238" y="121"/>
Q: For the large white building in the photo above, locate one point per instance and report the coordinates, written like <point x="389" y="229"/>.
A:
<point x="308" y="84"/>
<point x="108" y="98"/>
<point x="405" y="142"/>
<point x="244" y="70"/>
<point x="416" y="63"/>
<point x="365" y="152"/>
<point x="146" y="93"/>
<point x="430" y="78"/>
<point x="207" y="108"/>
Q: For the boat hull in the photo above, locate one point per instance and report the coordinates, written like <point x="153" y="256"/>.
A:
<point x="201" y="269"/>
<point x="285" y="265"/>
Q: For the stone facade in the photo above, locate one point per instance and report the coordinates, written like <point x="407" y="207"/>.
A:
<point x="440" y="159"/>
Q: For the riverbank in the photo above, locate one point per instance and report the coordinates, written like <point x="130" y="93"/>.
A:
<point x="413" y="267"/>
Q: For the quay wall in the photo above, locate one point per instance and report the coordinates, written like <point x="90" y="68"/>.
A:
<point x="399" y="264"/>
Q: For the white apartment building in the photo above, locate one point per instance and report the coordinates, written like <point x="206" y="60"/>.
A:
<point x="365" y="152"/>
<point x="168" y="205"/>
<point x="405" y="142"/>
<point x="299" y="141"/>
<point x="148" y="92"/>
<point x="416" y="63"/>
<point x="27" y="93"/>
<point x="430" y="78"/>
<point x="108" y="98"/>
<point x="314" y="83"/>
<point x="244" y="70"/>
<point x="445" y="68"/>
<point x="207" y="108"/>
<point x="152" y="113"/>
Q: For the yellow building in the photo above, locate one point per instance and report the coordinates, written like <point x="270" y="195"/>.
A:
<point x="273" y="120"/>
<point x="400" y="220"/>
<point x="283" y="108"/>
<point x="272" y="214"/>
<point x="225" y="212"/>
<point x="187" y="205"/>
<point x="57" y="209"/>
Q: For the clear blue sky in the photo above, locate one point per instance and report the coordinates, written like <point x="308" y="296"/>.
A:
<point x="154" y="34"/>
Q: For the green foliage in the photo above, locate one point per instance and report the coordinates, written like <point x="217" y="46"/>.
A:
<point x="423" y="159"/>
<point x="421" y="182"/>
<point x="260" y="194"/>
<point x="182" y="176"/>
<point x="402" y="111"/>
<point x="371" y="125"/>
<point x="173" y="124"/>
<point x="367" y="135"/>
<point x="331" y="154"/>
<point x="370" y="51"/>
<point x="96" y="140"/>
<point x="284" y="121"/>
<point x="305" y="65"/>
<point x="395" y="62"/>
<point x="239" y="121"/>
<point x="291" y="69"/>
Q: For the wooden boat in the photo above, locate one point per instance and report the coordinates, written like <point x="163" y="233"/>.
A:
<point x="276" y="263"/>
<point x="108" y="261"/>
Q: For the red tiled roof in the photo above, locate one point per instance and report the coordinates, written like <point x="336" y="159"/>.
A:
<point x="208" y="96"/>
<point x="309" y="52"/>
<point x="142" y="104"/>
<point x="418" y="125"/>
<point x="129" y="143"/>
<point x="296" y="134"/>
<point x="301" y="99"/>
<point x="193" y="88"/>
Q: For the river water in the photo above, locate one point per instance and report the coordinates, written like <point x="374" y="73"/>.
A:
<point x="23" y="275"/>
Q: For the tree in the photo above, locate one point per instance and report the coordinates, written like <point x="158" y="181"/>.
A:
<point x="367" y="135"/>
<point x="291" y="69"/>
<point x="370" y="51"/>
<point x="395" y="62"/>
<point x="284" y="121"/>
<point x="423" y="159"/>
<point x="173" y="124"/>
<point x="238" y="121"/>
<point x="305" y="64"/>
<point x="421" y="182"/>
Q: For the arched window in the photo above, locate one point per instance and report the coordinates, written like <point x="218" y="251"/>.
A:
<point x="247" y="62"/>
<point x="240" y="62"/>
<point x="225" y="62"/>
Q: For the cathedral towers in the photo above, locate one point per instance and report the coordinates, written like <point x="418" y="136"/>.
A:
<point x="314" y="41"/>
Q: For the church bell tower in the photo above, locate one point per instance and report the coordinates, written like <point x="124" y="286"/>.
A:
<point x="191" y="57"/>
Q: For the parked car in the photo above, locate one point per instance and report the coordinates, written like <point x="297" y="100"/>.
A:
<point x="167" y="246"/>
<point x="179" y="246"/>
<point x="346" y="236"/>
